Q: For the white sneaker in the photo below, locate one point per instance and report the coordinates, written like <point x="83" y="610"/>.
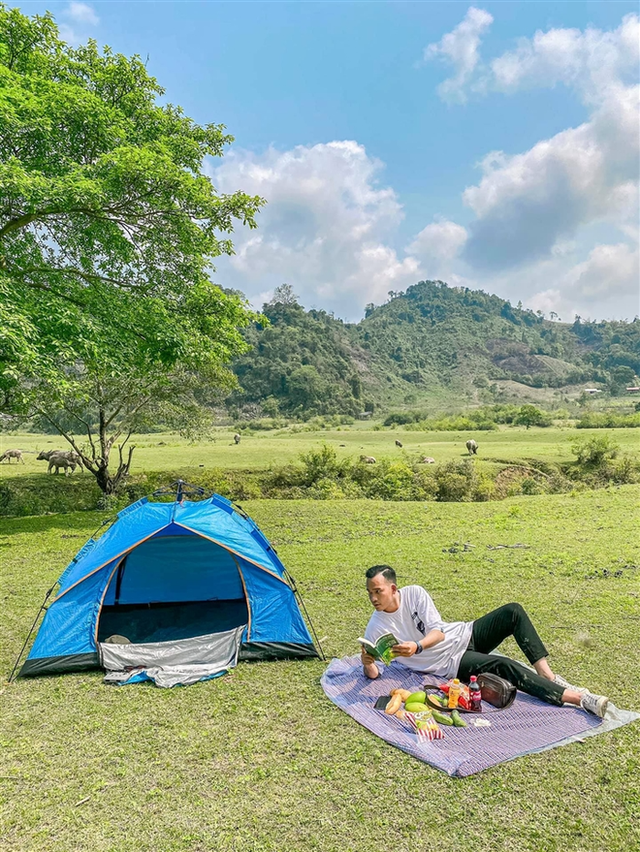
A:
<point x="596" y="704"/>
<point x="566" y="685"/>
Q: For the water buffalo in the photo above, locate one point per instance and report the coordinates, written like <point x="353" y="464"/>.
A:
<point x="236" y="438"/>
<point x="12" y="454"/>
<point x="398" y="443"/>
<point x="472" y="447"/>
<point x="65" y="459"/>
<point x="73" y="458"/>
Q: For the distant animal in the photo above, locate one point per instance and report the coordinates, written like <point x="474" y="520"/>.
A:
<point x="12" y="454"/>
<point x="428" y="460"/>
<point x="343" y="445"/>
<point x="236" y="438"/>
<point x="45" y="455"/>
<point x="398" y="443"/>
<point x="65" y="459"/>
<point x="367" y="459"/>
<point x="472" y="447"/>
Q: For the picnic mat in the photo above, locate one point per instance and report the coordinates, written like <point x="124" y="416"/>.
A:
<point x="528" y="726"/>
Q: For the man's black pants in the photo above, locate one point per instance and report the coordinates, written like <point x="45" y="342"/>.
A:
<point x="492" y="629"/>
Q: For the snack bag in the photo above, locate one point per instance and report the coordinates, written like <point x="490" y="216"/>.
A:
<point x="425" y="726"/>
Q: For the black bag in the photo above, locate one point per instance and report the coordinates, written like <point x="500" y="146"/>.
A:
<point x="496" y="690"/>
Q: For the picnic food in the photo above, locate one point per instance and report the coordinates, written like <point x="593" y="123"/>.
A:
<point x="458" y="721"/>
<point x="416" y="707"/>
<point x="417" y="697"/>
<point x="442" y="718"/>
<point x="405" y="693"/>
<point x="394" y="705"/>
<point x="435" y="701"/>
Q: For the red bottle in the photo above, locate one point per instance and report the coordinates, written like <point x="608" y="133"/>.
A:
<point x="475" y="695"/>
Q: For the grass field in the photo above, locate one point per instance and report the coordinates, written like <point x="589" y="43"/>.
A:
<point x="171" y="452"/>
<point x="261" y="760"/>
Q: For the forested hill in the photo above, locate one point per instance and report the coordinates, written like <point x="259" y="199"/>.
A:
<point x="433" y="343"/>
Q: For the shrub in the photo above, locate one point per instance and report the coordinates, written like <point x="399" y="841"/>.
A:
<point x="595" y="451"/>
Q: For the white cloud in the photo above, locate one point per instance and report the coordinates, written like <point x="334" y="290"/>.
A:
<point x="326" y="229"/>
<point x="534" y="211"/>
<point x="437" y="247"/>
<point x="82" y="13"/>
<point x="460" y="48"/>
<point x="78" y="19"/>
<point x="525" y="204"/>
<point x="591" y="61"/>
<point x="609" y="271"/>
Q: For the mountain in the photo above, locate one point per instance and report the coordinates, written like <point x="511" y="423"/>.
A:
<point x="433" y="344"/>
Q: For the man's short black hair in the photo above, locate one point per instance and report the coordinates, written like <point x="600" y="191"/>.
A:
<point x="386" y="570"/>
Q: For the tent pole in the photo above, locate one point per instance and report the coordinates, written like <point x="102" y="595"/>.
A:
<point x="298" y="596"/>
<point x="33" y="626"/>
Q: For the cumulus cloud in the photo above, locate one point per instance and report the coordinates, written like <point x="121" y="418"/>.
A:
<point x="591" y="61"/>
<point x="437" y="247"/>
<point x="326" y="229"/>
<point x="525" y="204"/>
<point x="460" y="49"/>
<point x="77" y="21"/>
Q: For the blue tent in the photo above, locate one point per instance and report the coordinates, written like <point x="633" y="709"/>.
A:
<point x="167" y="572"/>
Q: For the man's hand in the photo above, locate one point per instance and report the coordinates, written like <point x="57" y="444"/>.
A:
<point x="404" y="649"/>
<point x="369" y="665"/>
<point x="367" y="659"/>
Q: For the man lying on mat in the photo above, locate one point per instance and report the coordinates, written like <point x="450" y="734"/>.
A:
<point x="463" y="648"/>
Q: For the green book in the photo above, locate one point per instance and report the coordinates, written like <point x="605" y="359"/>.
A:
<point x="381" y="650"/>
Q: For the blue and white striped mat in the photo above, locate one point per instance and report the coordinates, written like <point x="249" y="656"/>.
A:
<point x="528" y="726"/>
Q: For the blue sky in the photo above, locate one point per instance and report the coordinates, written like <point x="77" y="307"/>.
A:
<point x="492" y="145"/>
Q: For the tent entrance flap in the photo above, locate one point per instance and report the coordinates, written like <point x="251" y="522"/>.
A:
<point x="173" y="587"/>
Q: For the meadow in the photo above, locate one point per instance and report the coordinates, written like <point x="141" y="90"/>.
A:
<point x="156" y="452"/>
<point x="261" y="761"/>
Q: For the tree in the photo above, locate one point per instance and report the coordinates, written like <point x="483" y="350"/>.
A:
<point x="283" y="295"/>
<point x="108" y="230"/>
<point x="529" y="415"/>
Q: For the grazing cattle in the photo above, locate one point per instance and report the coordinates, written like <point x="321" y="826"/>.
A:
<point x="12" y="454"/>
<point x="236" y="438"/>
<point x="367" y="459"/>
<point x="428" y="460"/>
<point x="62" y="460"/>
<point x="45" y="455"/>
<point x="398" y="443"/>
<point x="472" y="447"/>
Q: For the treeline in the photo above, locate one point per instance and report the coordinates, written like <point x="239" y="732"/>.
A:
<point x="486" y="418"/>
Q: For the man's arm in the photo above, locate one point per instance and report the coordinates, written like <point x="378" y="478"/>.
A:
<point x="369" y="665"/>
<point x="408" y="649"/>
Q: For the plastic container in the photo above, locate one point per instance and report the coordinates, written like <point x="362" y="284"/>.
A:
<point x="475" y="695"/>
<point x="454" y="693"/>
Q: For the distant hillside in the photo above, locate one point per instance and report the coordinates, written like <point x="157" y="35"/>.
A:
<point x="434" y="343"/>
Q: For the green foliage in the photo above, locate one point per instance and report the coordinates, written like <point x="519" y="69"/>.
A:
<point x="608" y="420"/>
<point x="108" y="228"/>
<point x="450" y="343"/>
<point x="595" y="451"/>
<point x="529" y="415"/>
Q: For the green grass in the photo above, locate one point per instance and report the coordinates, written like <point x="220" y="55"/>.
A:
<point x="171" y="452"/>
<point x="261" y="760"/>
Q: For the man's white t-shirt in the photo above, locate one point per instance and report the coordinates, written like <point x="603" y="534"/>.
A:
<point x="413" y="619"/>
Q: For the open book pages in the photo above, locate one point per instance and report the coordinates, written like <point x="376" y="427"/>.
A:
<point x="381" y="649"/>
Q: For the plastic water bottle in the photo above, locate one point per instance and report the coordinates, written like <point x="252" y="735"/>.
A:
<point x="454" y="693"/>
<point x="475" y="695"/>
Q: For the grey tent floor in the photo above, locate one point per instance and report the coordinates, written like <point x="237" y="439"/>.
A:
<point x="164" y="622"/>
